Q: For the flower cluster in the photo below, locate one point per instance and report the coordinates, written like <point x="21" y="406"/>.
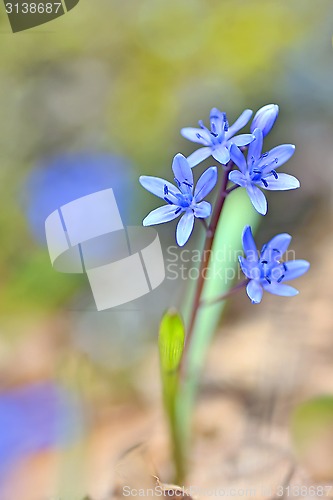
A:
<point x="245" y="165"/>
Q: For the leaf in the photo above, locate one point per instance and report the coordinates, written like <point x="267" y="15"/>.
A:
<point x="171" y="345"/>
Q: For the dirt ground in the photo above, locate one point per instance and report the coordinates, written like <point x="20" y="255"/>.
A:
<point x="258" y="369"/>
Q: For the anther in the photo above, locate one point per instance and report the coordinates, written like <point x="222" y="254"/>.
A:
<point x="177" y="211"/>
<point x="275" y="174"/>
<point x="166" y="190"/>
<point x="268" y="280"/>
<point x="265" y="183"/>
<point x="177" y="182"/>
<point x="285" y="266"/>
<point x="167" y="200"/>
<point x="264" y="262"/>
<point x="188" y="184"/>
<point x="281" y="278"/>
<point x="199" y="136"/>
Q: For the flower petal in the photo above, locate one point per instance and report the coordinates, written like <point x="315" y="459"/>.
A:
<point x="276" y="157"/>
<point x="205" y="183"/>
<point x="182" y="170"/>
<point x="265" y="118"/>
<point x="249" y="246"/>
<point x="238" y="158"/>
<point x="282" y="183"/>
<point x="161" y="214"/>
<point x="238" y="178"/>
<point x="241" y="121"/>
<point x="221" y="154"/>
<point x="217" y="121"/>
<point x="198" y="135"/>
<point x="254" y="291"/>
<point x="242" y="140"/>
<point x="202" y="210"/>
<point x="280" y="289"/>
<point x="250" y="269"/>
<point x="255" y="146"/>
<point x="198" y="156"/>
<point x="156" y="185"/>
<point x="257" y="198"/>
<point x="184" y="228"/>
<point x="276" y="247"/>
<point x="295" y="268"/>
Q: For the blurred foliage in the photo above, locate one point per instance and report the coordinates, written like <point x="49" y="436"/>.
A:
<point x="124" y="77"/>
<point x="311" y="430"/>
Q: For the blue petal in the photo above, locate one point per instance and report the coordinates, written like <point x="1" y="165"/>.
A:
<point x="161" y="214"/>
<point x="296" y="268"/>
<point x="254" y="291"/>
<point x="238" y="158"/>
<point x="250" y="269"/>
<point x="157" y="186"/>
<point x="276" y="247"/>
<point x="202" y="210"/>
<point x="238" y="178"/>
<point x="221" y="154"/>
<point x="265" y="118"/>
<point x="198" y="156"/>
<point x="196" y="135"/>
<point x="217" y="121"/>
<point x="257" y="198"/>
<point x="182" y="170"/>
<point x="241" y="121"/>
<point x="280" y="289"/>
<point x="249" y="245"/>
<point x="184" y="228"/>
<point x="205" y="183"/>
<point x="282" y="183"/>
<point x="276" y="157"/>
<point x="242" y="140"/>
<point x="255" y="147"/>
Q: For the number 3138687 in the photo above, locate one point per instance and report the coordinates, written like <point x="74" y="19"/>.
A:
<point x="33" y="8"/>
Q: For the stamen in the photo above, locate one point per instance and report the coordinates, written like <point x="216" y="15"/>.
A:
<point x="168" y="201"/>
<point x="276" y="160"/>
<point x="256" y="171"/>
<point x="166" y="190"/>
<point x="285" y="266"/>
<point x="268" y="280"/>
<point x="275" y="174"/>
<point x="177" y="182"/>
<point x="276" y="250"/>
<point x="264" y="262"/>
<point x="177" y="211"/>
<point x="199" y="136"/>
<point x="281" y="278"/>
<point x="188" y="184"/>
<point x="214" y="134"/>
<point x="264" y="155"/>
<point x="265" y="183"/>
<point x="226" y="126"/>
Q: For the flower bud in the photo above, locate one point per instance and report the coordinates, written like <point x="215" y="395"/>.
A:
<point x="265" y="118"/>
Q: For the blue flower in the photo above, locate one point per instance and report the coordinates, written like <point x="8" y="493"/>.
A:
<point x="181" y="200"/>
<point x="218" y="139"/>
<point x="265" y="118"/>
<point x="266" y="271"/>
<point x="260" y="170"/>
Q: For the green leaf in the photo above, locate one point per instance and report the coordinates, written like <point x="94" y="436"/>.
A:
<point x="310" y="420"/>
<point x="223" y="269"/>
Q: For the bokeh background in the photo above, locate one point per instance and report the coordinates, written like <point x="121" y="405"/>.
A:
<point x="95" y="99"/>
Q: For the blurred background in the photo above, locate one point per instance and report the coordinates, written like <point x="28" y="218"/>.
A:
<point x="93" y="100"/>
